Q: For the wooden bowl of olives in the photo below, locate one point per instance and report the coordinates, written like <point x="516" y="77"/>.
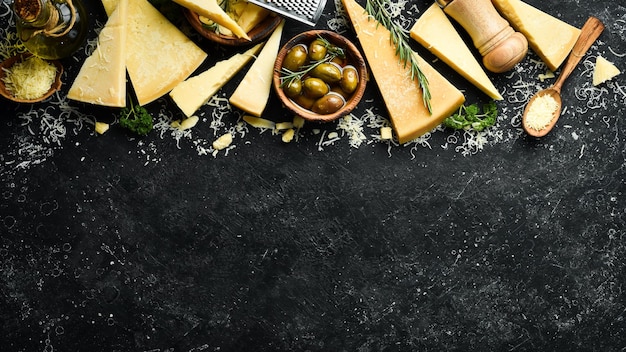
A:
<point x="258" y="33"/>
<point x="320" y="75"/>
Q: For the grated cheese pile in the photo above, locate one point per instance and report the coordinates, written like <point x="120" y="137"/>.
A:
<point x="540" y="112"/>
<point x="29" y="79"/>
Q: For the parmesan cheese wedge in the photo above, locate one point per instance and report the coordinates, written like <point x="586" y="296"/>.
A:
<point x="102" y="77"/>
<point x="109" y="6"/>
<point x="402" y="95"/>
<point x="604" y="71"/>
<point x="437" y="34"/>
<point x="252" y="94"/>
<point x="159" y="56"/>
<point x="212" y="10"/>
<point x="549" y="37"/>
<point x="252" y="15"/>
<point x="194" y="92"/>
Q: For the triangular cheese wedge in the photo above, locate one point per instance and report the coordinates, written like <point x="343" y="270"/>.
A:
<point x="402" y="95"/>
<point x="604" y="71"/>
<point x="251" y="16"/>
<point x="252" y="94"/>
<point x="437" y="34"/>
<point x="549" y="37"/>
<point x="212" y="10"/>
<point x="109" y="6"/>
<point x="194" y="92"/>
<point x="159" y="55"/>
<point x="102" y="77"/>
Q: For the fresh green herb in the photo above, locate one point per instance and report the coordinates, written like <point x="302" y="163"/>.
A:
<point x="136" y="119"/>
<point x="332" y="52"/>
<point x="470" y="117"/>
<point x="399" y="37"/>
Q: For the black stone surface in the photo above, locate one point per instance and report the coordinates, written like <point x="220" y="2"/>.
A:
<point x="118" y="243"/>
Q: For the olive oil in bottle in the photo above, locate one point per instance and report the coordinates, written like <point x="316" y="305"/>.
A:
<point x="51" y="29"/>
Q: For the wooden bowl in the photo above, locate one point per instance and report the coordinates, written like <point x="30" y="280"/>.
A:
<point x="353" y="57"/>
<point x="260" y="32"/>
<point x="56" y="85"/>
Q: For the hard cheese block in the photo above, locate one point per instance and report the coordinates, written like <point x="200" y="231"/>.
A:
<point x="549" y="37"/>
<point x="402" y="95"/>
<point x="102" y="77"/>
<point x="159" y="55"/>
<point x="252" y="94"/>
<point x="109" y="6"/>
<point x="212" y="10"/>
<point x="194" y="92"/>
<point x="437" y="34"/>
<point x="604" y="71"/>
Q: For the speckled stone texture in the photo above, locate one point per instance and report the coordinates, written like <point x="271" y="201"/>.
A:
<point x="505" y="243"/>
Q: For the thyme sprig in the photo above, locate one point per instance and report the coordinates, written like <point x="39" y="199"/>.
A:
<point x="332" y="51"/>
<point x="379" y="10"/>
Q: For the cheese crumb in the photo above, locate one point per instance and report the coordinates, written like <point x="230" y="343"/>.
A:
<point x="288" y="135"/>
<point x="603" y="71"/>
<point x="385" y="133"/>
<point x="101" y="127"/>
<point x="223" y="141"/>
<point x="188" y="123"/>
<point x="540" y="112"/>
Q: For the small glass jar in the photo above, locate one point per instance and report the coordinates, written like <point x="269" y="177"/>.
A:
<point x="51" y="29"/>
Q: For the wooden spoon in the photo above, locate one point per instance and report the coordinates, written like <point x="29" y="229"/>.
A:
<point x="588" y="35"/>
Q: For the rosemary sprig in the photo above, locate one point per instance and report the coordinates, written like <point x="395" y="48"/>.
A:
<point x="399" y="37"/>
<point x="332" y="51"/>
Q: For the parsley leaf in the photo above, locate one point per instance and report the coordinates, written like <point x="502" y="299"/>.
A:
<point x="136" y="119"/>
<point x="470" y="117"/>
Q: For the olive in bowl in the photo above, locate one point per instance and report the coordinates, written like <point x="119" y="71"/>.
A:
<point x="320" y="75"/>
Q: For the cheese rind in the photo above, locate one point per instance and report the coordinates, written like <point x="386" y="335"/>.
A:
<point x="159" y="55"/>
<point x="402" y="95"/>
<point x="212" y="10"/>
<point x="435" y="32"/>
<point x="194" y="92"/>
<point x="603" y="71"/>
<point x="549" y="37"/>
<point x="252" y="94"/>
<point x="102" y="77"/>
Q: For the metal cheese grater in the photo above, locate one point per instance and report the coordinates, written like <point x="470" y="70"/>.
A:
<point x="305" y="11"/>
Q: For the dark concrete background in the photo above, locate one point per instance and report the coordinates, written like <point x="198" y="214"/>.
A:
<point x="118" y="243"/>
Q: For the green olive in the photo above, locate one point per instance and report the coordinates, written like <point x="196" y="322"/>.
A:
<point x="327" y="72"/>
<point x="295" y="58"/>
<point x="314" y="87"/>
<point x="339" y="61"/>
<point x="337" y="89"/>
<point x="317" y="50"/>
<point x="304" y="101"/>
<point x="349" y="79"/>
<point x="293" y="88"/>
<point x="328" y="104"/>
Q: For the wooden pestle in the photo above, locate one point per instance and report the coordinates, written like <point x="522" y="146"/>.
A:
<point x="500" y="46"/>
